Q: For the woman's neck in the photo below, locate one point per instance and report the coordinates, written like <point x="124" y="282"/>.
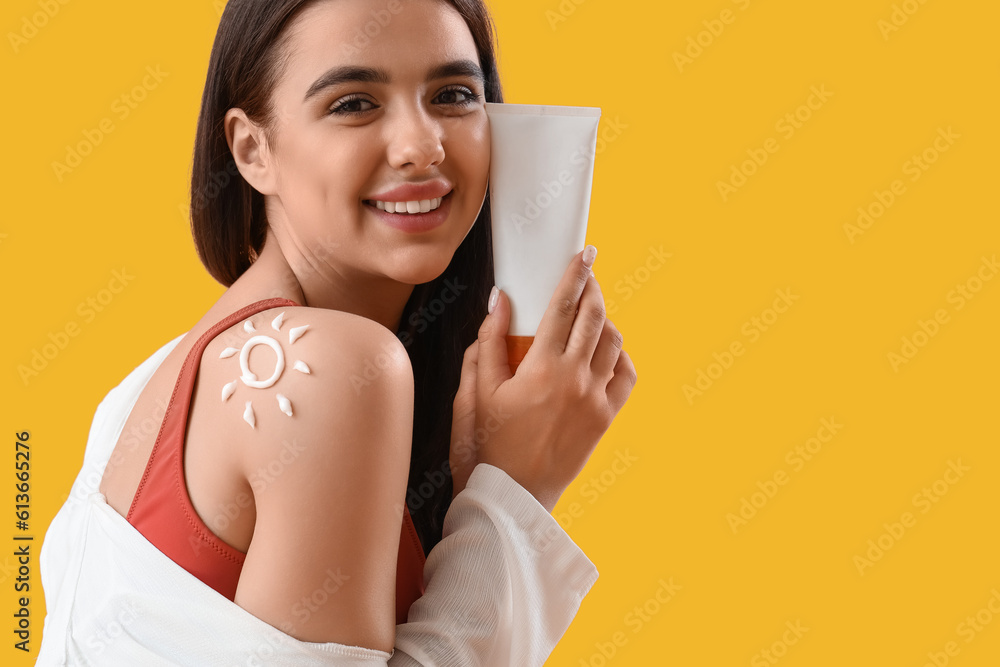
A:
<point x="273" y="275"/>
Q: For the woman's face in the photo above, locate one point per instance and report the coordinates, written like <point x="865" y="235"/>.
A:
<point x="375" y="97"/>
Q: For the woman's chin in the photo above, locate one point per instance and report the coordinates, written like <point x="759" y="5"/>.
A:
<point x="420" y="265"/>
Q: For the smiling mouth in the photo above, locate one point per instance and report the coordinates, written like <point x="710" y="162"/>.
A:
<point x="408" y="207"/>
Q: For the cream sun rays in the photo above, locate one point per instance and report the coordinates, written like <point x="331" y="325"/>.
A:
<point x="251" y="380"/>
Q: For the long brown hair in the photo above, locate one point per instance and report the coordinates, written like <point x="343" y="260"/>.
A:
<point x="441" y="318"/>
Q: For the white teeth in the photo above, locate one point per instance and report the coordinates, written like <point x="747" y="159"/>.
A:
<point x="422" y="206"/>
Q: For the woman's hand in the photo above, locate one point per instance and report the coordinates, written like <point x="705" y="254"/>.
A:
<point x="541" y="425"/>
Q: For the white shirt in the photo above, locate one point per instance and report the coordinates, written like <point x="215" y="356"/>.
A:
<point x="501" y="587"/>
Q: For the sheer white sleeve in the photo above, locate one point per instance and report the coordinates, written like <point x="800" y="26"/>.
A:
<point x="502" y="586"/>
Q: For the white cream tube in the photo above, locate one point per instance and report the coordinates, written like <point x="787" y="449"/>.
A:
<point x="541" y="173"/>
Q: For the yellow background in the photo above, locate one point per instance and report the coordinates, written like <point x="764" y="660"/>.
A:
<point x="678" y="132"/>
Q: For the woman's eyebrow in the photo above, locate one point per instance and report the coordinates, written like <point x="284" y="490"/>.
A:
<point x="354" y="73"/>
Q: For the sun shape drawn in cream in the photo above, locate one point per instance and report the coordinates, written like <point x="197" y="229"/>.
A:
<point x="251" y="380"/>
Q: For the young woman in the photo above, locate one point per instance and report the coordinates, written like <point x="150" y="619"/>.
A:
<point x="346" y="406"/>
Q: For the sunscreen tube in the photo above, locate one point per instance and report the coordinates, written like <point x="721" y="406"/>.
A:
<point x="541" y="173"/>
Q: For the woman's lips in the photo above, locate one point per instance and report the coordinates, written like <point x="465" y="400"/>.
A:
<point x="414" y="223"/>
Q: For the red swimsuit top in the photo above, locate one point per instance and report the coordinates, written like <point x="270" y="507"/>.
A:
<point x="162" y="511"/>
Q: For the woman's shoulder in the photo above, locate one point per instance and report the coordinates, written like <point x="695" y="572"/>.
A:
<point x="313" y="336"/>
<point x="292" y="370"/>
<point x="317" y="408"/>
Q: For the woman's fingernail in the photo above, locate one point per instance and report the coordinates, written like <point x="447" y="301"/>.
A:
<point x="494" y="297"/>
<point x="589" y="255"/>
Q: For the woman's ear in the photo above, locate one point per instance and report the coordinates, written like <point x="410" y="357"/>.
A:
<point x="248" y="144"/>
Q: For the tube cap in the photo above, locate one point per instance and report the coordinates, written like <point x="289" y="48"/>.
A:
<point x="517" y="347"/>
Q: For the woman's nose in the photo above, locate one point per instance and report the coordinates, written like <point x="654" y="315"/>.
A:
<point x="416" y="140"/>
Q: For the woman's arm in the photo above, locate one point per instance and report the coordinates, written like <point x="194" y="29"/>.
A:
<point x="506" y="580"/>
<point x="322" y="562"/>
<point x="503" y="584"/>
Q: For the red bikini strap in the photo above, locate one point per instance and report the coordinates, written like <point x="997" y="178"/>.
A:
<point x="184" y="385"/>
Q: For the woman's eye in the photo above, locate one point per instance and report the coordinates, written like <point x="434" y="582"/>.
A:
<point x="353" y="106"/>
<point x="469" y="96"/>
<point x="349" y="106"/>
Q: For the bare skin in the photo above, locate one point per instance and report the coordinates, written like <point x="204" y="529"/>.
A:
<point x="352" y="275"/>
